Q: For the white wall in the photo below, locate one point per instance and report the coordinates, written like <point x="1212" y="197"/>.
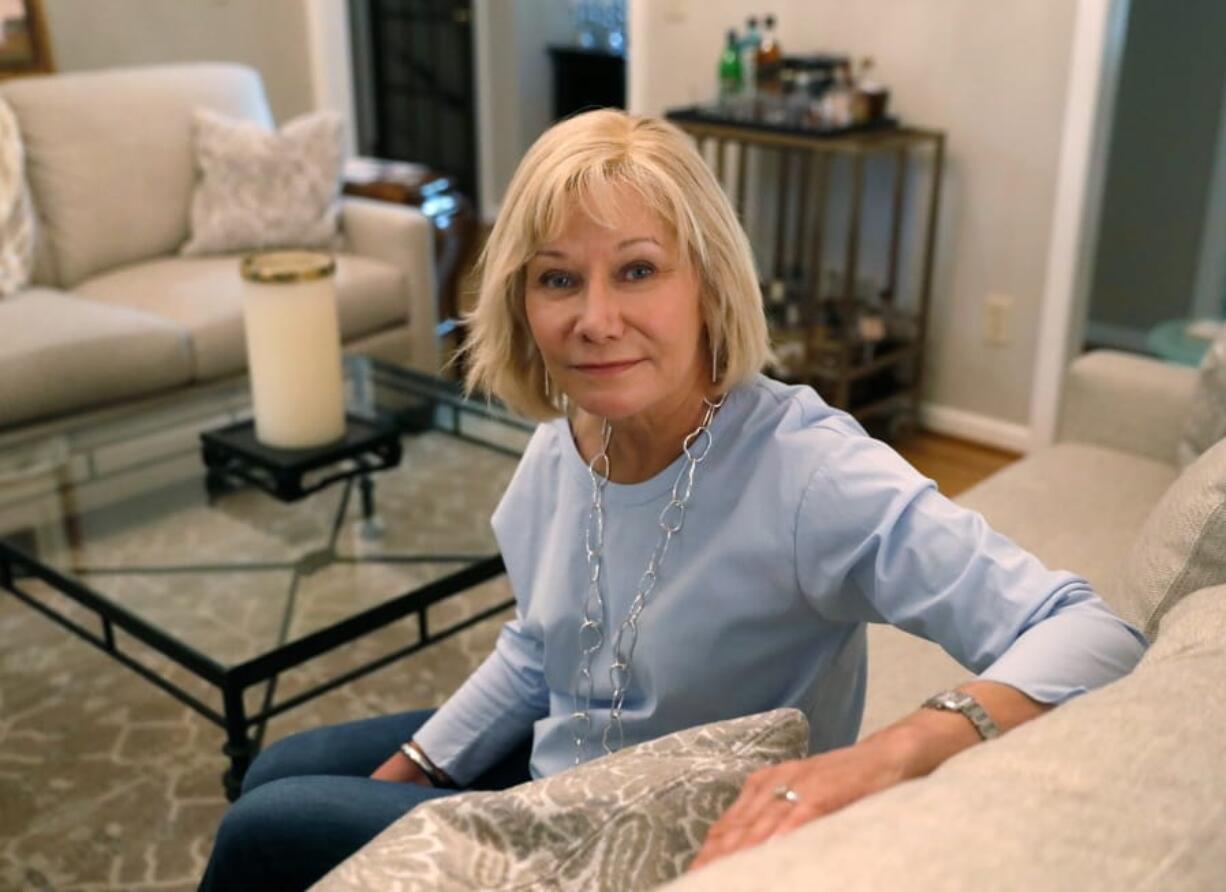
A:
<point x="514" y="85"/>
<point x="269" y="35"/>
<point x="331" y="62"/>
<point x="993" y="76"/>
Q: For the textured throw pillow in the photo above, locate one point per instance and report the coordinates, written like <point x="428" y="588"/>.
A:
<point x="257" y="189"/>
<point x="628" y="821"/>
<point x="16" y="212"/>
<point x="1206" y="422"/>
<point x="1182" y="544"/>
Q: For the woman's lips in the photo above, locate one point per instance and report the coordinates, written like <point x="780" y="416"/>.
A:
<point x="606" y="368"/>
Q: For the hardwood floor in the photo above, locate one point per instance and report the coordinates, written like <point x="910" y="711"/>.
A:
<point x="956" y="465"/>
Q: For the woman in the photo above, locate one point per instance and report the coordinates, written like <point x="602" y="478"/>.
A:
<point x="687" y="539"/>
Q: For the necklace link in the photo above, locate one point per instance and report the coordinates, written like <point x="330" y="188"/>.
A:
<point x="696" y="447"/>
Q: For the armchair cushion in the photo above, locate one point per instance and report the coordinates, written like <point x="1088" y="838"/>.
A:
<point x="58" y="353"/>
<point x="1182" y="546"/>
<point x="109" y="157"/>
<point x="1129" y="403"/>
<point x="1206" y="422"/>
<point x="204" y="296"/>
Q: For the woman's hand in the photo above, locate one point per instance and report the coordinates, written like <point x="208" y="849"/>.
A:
<point x="400" y="769"/>
<point x="823" y="783"/>
<point x="911" y="747"/>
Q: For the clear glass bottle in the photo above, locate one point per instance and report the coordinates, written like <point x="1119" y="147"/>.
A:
<point x="730" y="74"/>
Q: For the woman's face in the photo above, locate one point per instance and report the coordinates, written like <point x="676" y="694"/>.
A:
<point x="615" y="314"/>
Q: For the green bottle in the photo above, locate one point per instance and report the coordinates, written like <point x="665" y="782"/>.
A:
<point x="730" y="81"/>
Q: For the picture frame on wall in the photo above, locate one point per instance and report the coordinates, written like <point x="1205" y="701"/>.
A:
<point x="25" y="47"/>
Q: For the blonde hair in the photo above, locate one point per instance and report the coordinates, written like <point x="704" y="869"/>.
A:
<point x="578" y="160"/>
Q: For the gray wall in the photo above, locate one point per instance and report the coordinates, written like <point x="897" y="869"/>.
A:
<point x="269" y="35"/>
<point x="1159" y="169"/>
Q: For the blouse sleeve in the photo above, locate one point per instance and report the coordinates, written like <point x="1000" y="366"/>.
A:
<point x="876" y="542"/>
<point x="493" y="710"/>
<point x="496" y="708"/>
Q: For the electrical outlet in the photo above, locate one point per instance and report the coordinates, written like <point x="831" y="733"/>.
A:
<point x="676" y="11"/>
<point x="998" y="320"/>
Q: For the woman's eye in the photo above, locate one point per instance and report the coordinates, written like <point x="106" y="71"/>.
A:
<point x="556" y="279"/>
<point x="636" y="272"/>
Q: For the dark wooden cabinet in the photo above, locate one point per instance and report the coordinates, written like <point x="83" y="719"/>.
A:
<point x="585" y="79"/>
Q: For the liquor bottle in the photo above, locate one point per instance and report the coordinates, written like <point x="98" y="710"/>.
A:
<point x="730" y="74"/>
<point x="749" y="55"/>
<point x="770" y="60"/>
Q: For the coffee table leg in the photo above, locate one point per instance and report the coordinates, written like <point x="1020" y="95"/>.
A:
<point x="239" y="747"/>
<point x="371" y="528"/>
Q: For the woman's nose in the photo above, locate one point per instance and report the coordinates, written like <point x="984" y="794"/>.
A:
<point x="600" y="318"/>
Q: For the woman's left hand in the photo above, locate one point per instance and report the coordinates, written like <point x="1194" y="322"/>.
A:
<point x="822" y="784"/>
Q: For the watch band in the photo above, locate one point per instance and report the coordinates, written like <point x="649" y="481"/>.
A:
<point x="960" y="701"/>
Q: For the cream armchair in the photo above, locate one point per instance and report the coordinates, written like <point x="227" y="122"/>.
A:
<point x="114" y="313"/>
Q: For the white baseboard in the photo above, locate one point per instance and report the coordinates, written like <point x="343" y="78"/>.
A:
<point x="977" y="428"/>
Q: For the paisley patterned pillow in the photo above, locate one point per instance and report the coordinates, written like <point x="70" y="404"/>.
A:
<point x="16" y="213"/>
<point x="1206" y="422"/>
<point x="265" y="190"/>
<point x="632" y="820"/>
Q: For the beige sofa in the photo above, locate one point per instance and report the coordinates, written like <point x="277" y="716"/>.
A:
<point x="113" y="313"/>
<point x="1122" y="788"/>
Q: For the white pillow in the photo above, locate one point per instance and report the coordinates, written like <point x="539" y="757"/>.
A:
<point x="16" y="212"/>
<point x="258" y="189"/>
<point x="1206" y="422"/>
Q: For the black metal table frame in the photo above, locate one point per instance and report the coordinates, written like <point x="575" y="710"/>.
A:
<point x="233" y="681"/>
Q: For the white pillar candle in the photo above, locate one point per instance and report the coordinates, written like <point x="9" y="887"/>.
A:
<point x="293" y="348"/>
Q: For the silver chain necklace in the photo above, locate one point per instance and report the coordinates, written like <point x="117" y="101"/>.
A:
<point x="697" y="446"/>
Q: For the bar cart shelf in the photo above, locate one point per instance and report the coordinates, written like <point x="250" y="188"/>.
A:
<point x="863" y="353"/>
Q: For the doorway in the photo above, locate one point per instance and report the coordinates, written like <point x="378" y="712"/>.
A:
<point x="413" y="79"/>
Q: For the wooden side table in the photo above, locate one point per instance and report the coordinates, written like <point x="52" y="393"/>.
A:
<point x="435" y="194"/>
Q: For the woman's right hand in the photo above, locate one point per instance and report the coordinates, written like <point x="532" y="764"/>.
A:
<point x="400" y="769"/>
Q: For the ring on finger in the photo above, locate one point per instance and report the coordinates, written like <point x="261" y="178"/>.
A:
<point x="786" y="794"/>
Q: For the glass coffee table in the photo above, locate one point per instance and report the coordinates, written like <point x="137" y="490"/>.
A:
<point x="212" y="589"/>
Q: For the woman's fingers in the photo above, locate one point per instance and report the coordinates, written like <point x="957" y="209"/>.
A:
<point x="753" y="816"/>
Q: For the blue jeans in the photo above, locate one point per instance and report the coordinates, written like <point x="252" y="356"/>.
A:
<point x="308" y="803"/>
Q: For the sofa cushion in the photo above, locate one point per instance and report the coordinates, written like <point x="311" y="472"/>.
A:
<point x="628" y="821"/>
<point x="204" y="296"/>
<point x="1121" y="788"/>
<point x="59" y="353"/>
<point x="1075" y="506"/>
<point x="1182" y="545"/>
<point x="1206" y="422"/>
<point x="109" y="156"/>
<point x="16" y="213"/>
<point x="260" y="189"/>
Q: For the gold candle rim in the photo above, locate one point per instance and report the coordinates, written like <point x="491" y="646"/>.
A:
<point x="286" y="267"/>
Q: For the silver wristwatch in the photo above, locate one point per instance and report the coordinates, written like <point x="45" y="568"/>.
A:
<point x="960" y="701"/>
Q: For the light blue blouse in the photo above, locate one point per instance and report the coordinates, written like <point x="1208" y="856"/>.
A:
<point x="801" y="529"/>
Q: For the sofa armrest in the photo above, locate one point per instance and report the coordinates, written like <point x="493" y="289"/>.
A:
<point x="1127" y="402"/>
<point x="402" y="236"/>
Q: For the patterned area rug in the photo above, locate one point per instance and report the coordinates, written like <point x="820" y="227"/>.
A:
<point x="107" y="782"/>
